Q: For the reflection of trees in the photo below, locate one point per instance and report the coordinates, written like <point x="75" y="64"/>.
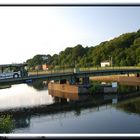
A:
<point x="77" y="111"/>
<point x="21" y="117"/>
<point x="38" y="84"/>
<point x="5" y="86"/>
<point x="131" y="106"/>
<point x="22" y="121"/>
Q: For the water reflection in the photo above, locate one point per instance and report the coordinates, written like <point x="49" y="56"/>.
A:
<point x="22" y="121"/>
<point x="25" y="102"/>
<point x="113" y="97"/>
<point x="56" y="95"/>
<point x="90" y="102"/>
<point x="4" y="86"/>
<point x="38" y="84"/>
<point x="130" y="106"/>
<point x="22" y="95"/>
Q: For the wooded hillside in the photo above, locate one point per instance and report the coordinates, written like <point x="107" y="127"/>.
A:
<point x="124" y="50"/>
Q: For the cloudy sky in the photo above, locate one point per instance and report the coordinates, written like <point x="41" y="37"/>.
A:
<point x="27" y="31"/>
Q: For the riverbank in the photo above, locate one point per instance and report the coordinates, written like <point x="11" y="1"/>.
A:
<point x="123" y="79"/>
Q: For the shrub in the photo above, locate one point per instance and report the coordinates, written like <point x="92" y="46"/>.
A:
<point x="6" y="124"/>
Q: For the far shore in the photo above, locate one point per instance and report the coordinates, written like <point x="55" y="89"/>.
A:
<point x="122" y="79"/>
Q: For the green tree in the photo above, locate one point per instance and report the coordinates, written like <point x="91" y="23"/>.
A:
<point x="124" y="50"/>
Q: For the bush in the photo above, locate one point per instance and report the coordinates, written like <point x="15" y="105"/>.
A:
<point x="6" y="124"/>
<point x="95" y="87"/>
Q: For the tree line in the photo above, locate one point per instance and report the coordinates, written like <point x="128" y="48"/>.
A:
<point x="124" y="50"/>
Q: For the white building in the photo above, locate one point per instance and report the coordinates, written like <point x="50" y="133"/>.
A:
<point x="105" y="64"/>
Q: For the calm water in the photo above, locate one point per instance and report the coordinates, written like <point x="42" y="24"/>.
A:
<point x="34" y="109"/>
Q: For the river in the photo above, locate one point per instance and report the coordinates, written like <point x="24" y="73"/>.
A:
<point x="34" y="109"/>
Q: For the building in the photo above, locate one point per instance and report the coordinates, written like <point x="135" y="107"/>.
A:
<point x="105" y="64"/>
<point x="45" y="67"/>
<point x="38" y="67"/>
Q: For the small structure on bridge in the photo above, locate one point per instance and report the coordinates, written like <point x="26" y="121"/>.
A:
<point x="105" y="63"/>
<point x="38" y="67"/>
<point x="45" y="67"/>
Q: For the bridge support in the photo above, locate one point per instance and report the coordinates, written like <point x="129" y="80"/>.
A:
<point x="56" y="99"/>
<point x="137" y="88"/>
<point x="77" y="80"/>
<point x="63" y="100"/>
<point x="59" y="99"/>
<point x="74" y="80"/>
<point x="63" y="81"/>
<point x="85" y="80"/>
<point x="137" y="75"/>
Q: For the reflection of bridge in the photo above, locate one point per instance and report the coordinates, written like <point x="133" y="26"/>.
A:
<point x="63" y="104"/>
<point x="22" y="116"/>
<point x="72" y="76"/>
<point x="84" y="104"/>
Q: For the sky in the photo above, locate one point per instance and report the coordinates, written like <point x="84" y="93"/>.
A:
<point x="28" y="31"/>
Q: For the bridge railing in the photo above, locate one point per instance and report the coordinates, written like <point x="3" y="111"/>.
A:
<point x="51" y="71"/>
<point x="108" y="68"/>
<point x="71" y="70"/>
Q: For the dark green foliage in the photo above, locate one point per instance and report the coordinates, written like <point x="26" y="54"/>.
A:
<point x="39" y="60"/>
<point x="131" y="106"/>
<point x="6" y="124"/>
<point x="95" y="87"/>
<point x="124" y="50"/>
<point x="38" y="85"/>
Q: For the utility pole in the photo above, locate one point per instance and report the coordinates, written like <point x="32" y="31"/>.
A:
<point x="75" y="63"/>
<point x="111" y="62"/>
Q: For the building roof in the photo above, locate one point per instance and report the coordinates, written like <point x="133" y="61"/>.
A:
<point x="105" y="62"/>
